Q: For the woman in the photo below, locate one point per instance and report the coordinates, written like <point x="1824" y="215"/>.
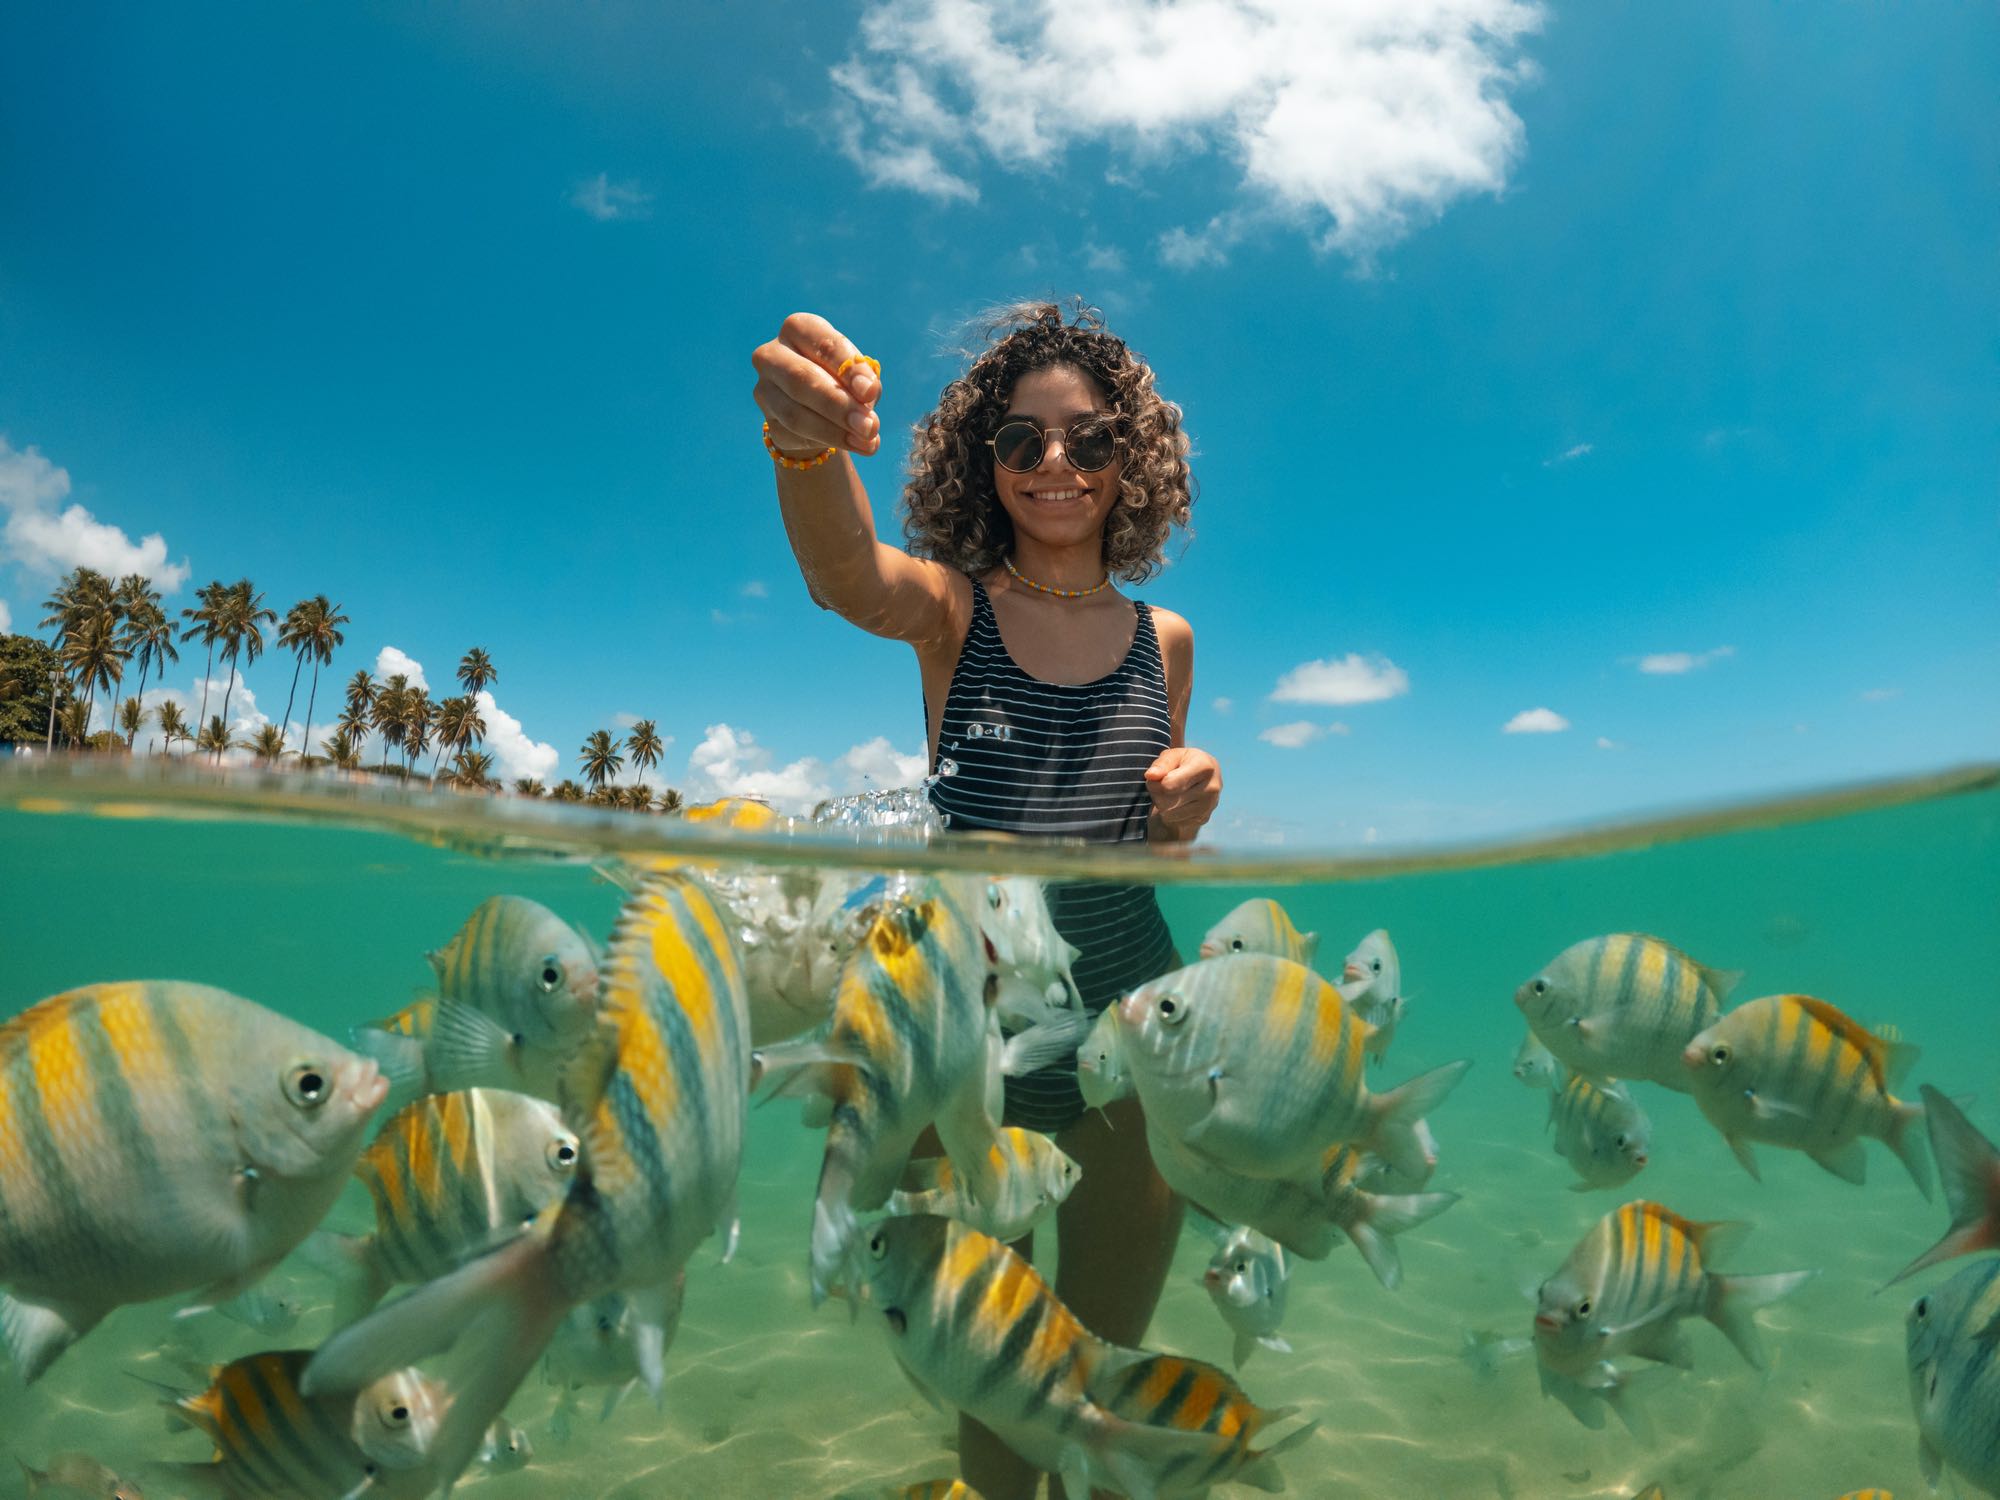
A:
<point x="1053" y="704"/>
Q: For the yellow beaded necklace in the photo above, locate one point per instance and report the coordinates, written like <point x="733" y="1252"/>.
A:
<point x="1043" y="588"/>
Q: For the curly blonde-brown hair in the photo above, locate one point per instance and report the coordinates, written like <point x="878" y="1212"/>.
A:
<point x="951" y="510"/>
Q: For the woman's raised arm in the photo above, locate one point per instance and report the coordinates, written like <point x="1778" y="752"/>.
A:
<point x="817" y="392"/>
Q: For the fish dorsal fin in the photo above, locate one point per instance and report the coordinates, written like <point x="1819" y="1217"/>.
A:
<point x="1710" y="1239"/>
<point x="1719" y="981"/>
<point x="1888" y="1061"/>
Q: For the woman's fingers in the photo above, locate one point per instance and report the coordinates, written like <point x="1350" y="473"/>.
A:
<point x="798" y="390"/>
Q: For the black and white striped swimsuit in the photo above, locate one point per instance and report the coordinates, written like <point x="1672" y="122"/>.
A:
<point x="1063" y="760"/>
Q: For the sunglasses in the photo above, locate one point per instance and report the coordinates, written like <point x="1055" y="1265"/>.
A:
<point x="1089" y="444"/>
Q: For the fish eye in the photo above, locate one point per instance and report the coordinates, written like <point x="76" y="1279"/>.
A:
<point x="1719" y="1053"/>
<point x="1619" y="1142"/>
<point x="551" y="975"/>
<point x="1922" y="1309"/>
<point x="307" y="1087"/>
<point x="1171" y="1010"/>
<point x="1236" y="945"/>
<point x="993" y="896"/>
<point x="1375" y="966"/>
<point x="1242" y="1267"/>
<point x="562" y="1154"/>
<point x="603" y="1323"/>
<point x="396" y="1415"/>
<point x="878" y="1244"/>
<point x="1541" y="986"/>
<point x="1583" y="1308"/>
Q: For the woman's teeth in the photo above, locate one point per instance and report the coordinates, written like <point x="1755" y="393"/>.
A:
<point x="1055" y="494"/>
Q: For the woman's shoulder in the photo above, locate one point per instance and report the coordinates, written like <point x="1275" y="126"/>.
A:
<point x="1173" y="630"/>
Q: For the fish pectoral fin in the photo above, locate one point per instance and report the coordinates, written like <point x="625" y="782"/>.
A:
<point x="1045" y="1043"/>
<point x="37" y="1332"/>
<point x="920" y="1388"/>
<point x="1764" y="1107"/>
<point x="1745" y="1155"/>
<point x="1668" y="1345"/>
<point x="1849" y="1161"/>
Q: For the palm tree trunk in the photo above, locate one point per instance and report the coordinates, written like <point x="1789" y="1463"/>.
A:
<point x="133" y="743"/>
<point x="206" y="673"/>
<point x="227" y="694"/>
<point x="435" y="759"/>
<point x="306" y="753"/>
<point x="306" y="738"/>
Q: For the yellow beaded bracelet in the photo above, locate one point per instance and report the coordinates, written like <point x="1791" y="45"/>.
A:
<point x="857" y="359"/>
<point x="786" y="461"/>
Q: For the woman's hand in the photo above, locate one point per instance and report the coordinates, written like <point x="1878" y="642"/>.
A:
<point x="1185" y="784"/>
<point x="808" y="409"/>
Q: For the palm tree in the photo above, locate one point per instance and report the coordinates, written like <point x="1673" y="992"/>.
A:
<point x="241" y="628"/>
<point x="149" y="635"/>
<point x="473" y="770"/>
<point x="267" y="744"/>
<point x="172" y="725"/>
<point x="670" y="801"/>
<point x="132" y="717"/>
<point x="528" y="786"/>
<point x="76" y="723"/>
<point x="93" y="656"/>
<point x="215" y="737"/>
<point x="312" y="629"/>
<point x="601" y="760"/>
<point x="132" y="598"/>
<point x="419" y="715"/>
<point x="475" y="670"/>
<point x="605" y="796"/>
<point x="341" y="749"/>
<point x="645" y="745"/>
<point x="79" y="595"/>
<point x="639" y="797"/>
<point x="202" y="626"/>
<point x="360" y="698"/>
<point x="566" y="791"/>
<point x="459" y="725"/>
<point x="386" y="709"/>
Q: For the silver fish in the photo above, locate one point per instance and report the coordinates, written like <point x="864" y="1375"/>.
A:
<point x="1260" y="925"/>
<point x="1371" y="982"/>
<point x="77" y="1476"/>
<point x="1951" y="1336"/>
<point x="597" y="1348"/>
<point x="1101" y="1075"/>
<point x="1536" y="1066"/>
<point x="1623" y="1006"/>
<point x="172" y="1138"/>
<point x="1247" y="1279"/>
<point x="1031" y="1176"/>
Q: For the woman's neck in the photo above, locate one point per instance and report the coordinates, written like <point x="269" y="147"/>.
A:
<point x="1074" y="567"/>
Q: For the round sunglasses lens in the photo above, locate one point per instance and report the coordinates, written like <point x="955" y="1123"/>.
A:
<point x="1090" y="449"/>
<point x="1018" y="446"/>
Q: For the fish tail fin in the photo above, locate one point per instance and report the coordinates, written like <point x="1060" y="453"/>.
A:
<point x="504" y="1307"/>
<point x="1733" y="1301"/>
<point x="1383" y="1217"/>
<point x="400" y="1059"/>
<point x="1395" y="1136"/>
<point x="1246" y="1345"/>
<point x="1906" y="1139"/>
<point x="36" y="1335"/>
<point x="1262" y="1471"/>
<point x="349" y="1261"/>
<point x="834" y="1220"/>
<point x="1969" y="1168"/>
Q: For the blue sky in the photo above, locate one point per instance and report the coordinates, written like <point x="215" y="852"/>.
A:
<point x="1520" y="345"/>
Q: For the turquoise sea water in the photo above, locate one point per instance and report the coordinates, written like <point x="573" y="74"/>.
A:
<point x="1890" y="909"/>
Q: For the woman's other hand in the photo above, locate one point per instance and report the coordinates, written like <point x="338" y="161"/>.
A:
<point x="1185" y="785"/>
<point x="808" y="408"/>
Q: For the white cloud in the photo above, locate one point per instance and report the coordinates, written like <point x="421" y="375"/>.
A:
<point x="1535" y="721"/>
<point x="625" y="720"/>
<point x="390" y="661"/>
<point x="1358" y="122"/>
<point x="1108" y="260"/>
<point x="6" y="619"/>
<point x="1569" y="455"/>
<point x="514" y="754"/>
<point x="1674" y="663"/>
<point x="1608" y="744"/>
<point x="605" y="200"/>
<point x="1337" y="683"/>
<point x="730" y="763"/>
<point x="1870" y="695"/>
<point x="1223" y="705"/>
<point x="755" y="589"/>
<point x="41" y="537"/>
<point x="1292" y="736"/>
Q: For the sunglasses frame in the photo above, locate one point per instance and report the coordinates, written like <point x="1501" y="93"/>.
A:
<point x="1110" y="430"/>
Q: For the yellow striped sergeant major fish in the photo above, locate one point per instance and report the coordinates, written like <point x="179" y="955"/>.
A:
<point x="1260" y="925"/>
<point x="450" y="1176"/>
<point x="975" y="1327"/>
<point x="1793" y="1071"/>
<point x="77" y="1474"/>
<point x="516" y="995"/>
<point x="935" y="1489"/>
<point x="1952" y="1351"/>
<point x="1032" y="1176"/>
<point x="1623" y="1006"/>
<point x="158" y="1138"/>
<point x="909" y="1044"/>
<point x="274" y="1443"/>
<point x="1624" y="1290"/>
<point x="1600" y="1131"/>
<point x="1255" y="1063"/>
<point x="657" y="1098"/>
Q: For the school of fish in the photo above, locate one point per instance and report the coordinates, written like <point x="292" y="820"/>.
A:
<point x="548" y="1137"/>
